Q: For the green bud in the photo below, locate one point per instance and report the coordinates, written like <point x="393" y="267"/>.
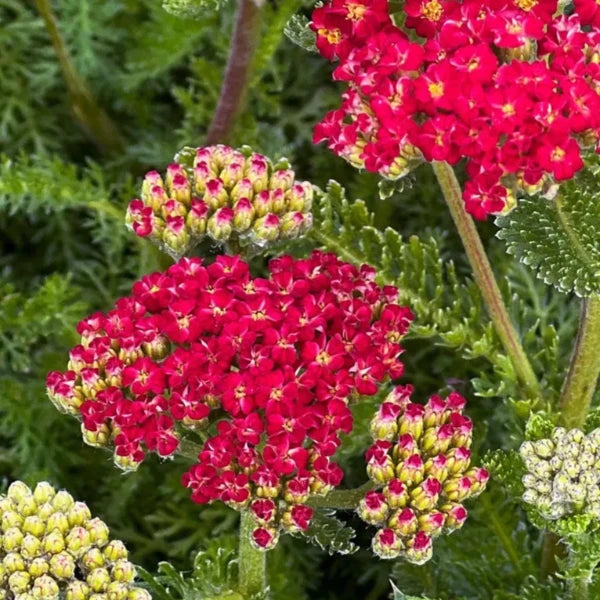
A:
<point x="123" y="571"/>
<point x="79" y="514"/>
<point x="38" y="567"/>
<point x="62" y="566"/>
<point x="31" y="547"/>
<point x="58" y="521"/>
<point x="27" y="506"/>
<point x="43" y="492"/>
<point x="10" y="519"/>
<point x="79" y="541"/>
<point x="62" y="501"/>
<point x="19" y="582"/>
<point x="117" y="591"/>
<point x="34" y="525"/>
<point x="139" y="594"/>
<point x="45" y="588"/>
<point x="98" y="580"/>
<point x="98" y="531"/>
<point x="115" y="550"/>
<point x="17" y="491"/>
<point x="13" y="562"/>
<point x="11" y="540"/>
<point x="53" y="542"/>
<point x="77" y="590"/>
<point x="93" y="559"/>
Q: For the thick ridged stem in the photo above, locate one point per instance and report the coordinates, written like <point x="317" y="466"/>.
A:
<point x="485" y="279"/>
<point x="92" y="118"/>
<point x="244" y="41"/>
<point x="251" y="561"/>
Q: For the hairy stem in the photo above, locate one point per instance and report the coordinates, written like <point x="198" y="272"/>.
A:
<point x="341" y="499"/>
<point x="584" y="369"/>
<point x="246" y="31"/>
<point x="96" y="123"/>
<point x="252" y="562"/>
<point x="484" y="277"/>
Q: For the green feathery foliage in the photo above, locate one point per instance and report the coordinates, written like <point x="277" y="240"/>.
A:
<point x="559" y="238"/>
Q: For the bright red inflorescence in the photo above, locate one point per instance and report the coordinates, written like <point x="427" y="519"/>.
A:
<point x="269" y="364"/>
<point x="512" y="86"/>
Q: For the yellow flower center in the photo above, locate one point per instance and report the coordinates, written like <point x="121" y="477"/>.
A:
<point x="529" y="4"/>
<point x="334" y="36"/>
<point x="432" y="10"/>
<point x="356" y="11"/>
<point x="436" y="89"/>
<point x="558" y="154"/>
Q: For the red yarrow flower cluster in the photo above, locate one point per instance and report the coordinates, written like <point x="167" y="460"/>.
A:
<point x="420" y="466"/>
<point x="512" y="87"/>
<point x="269" y="364"/>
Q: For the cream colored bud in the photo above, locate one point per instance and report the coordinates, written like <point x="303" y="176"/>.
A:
<point x="43" y="492"/>
<point x="17" y="491"/>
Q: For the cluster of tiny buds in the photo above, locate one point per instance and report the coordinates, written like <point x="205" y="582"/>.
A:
<point x="563" y="473"/>
<point x="232" y="197"/>
<point x="51" y="548"/>
<point x="420" y="465"/>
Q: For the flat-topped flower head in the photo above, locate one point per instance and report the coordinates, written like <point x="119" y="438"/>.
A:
<point x="52" y="548"/>
<point x="266" y="366"/>
<point x="420" y="466"/>
<point x="233" y="197"/>
<point x="512" y="88"/>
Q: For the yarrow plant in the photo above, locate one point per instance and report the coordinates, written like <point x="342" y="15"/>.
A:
<point x="262" y="359"/>
<point x="513" y="87"/>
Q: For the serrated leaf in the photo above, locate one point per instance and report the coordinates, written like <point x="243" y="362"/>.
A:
<point x="190" y="9"/>
<point x="559" y="239"/>
<point x="330" y="534"/>
<point x="506" y="468"/>
<point x="539" y="426"/>
<point x="297" y="30"/>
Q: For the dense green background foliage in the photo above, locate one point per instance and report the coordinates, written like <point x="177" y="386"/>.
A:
<point x="64" y="252"/>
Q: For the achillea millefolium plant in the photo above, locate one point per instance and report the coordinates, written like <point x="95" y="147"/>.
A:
<point x="265" y="386"/>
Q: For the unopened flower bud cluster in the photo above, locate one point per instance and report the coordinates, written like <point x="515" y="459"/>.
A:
<point x="51" y="548"/>
<point x="563" y="473"/>
<point x="420" y="462"/>
<point x="228" y="196"/>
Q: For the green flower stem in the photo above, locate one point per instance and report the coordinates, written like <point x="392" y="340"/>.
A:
<point x="341" y="499"/>
<point x="96" y="123"/>
<point x="578" y="588"/>
<point x="252" y="562"/>
<point x="584" y="369"/>
<point x="484" y="277"/>
<point x="244" y="42"/>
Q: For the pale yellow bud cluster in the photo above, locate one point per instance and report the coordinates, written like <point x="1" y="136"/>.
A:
<point x="52" y="549"/>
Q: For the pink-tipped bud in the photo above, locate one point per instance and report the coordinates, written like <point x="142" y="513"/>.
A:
<point x="151" y="179"/>
<point x="404" y="522"/>
<point x="215" y="195"/>
<point x="243" y="215"/>
<point x="202" y="174"/>
<point x="396" y="494"/>
<point x="282" y="179"/>
<point x="175" y="235"/>
<point x="456" y="515"/>
<point x="174" y="170"/>
<point x="405" y="447"/>
<point x="197" y="217"/>
<point x="457" y="488"/>
<point x="265" y="538"/>
<point x="411" y="470"/>
<point x="455" y="402"/>
<point x="140" y="218"/>
<point x="437" y="440"/>
<point x="172" y="208"/>
<point x="264" y="511"/>
<point x="384" y="424"/>
<point x="434" y="411"/>
<point x="300" y="197"/>
<point x="425" y="496"/>
<point x="380" y="467"/>
<point x="479" y="478"/>
<point x="419" y="549"/>
<point x="294" y="224"/>
<point x="220" y="225"/>
<point x="266" y="229"/>
<point x="262" y="203"/>
<point x="432" y="523"/>
<point x="257" y="170"/>
<point x="458" y="460"/>
<point x="437" y="466"/>
<point x="232" y="172"/>
<point x="401" y="394"/>
<point x="180" y="189"/>
<point x="278" y="201"/>
<point x="297" y="518"/>
<point x="387" y="544"/>
<point x="412" y="420"/>
<point x="373" y="509"/>
<point x="463" y="430"/>
<point x="242" y="189"/>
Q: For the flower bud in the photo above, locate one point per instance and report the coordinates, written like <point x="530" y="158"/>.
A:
<point x="432" y="523"/>
<point x="38" y="567"/>
<point x="297" y="518"/>
<point x="396" y="494"/>
<point x="122" y="571"/>
<point x="220" y="225"/>
<point x="62" y="566"/>
<point x="98" y="580"/>
<point x="456" y="515"/>
<point x="265" y="538"/>
<point x="419" y="549"/>
<point x="115" y="550"/>
<point x="45" y="588"/>
<point x="19" y="581"/>
<point x="77" y="590"/>
<point x="266" y="229"/>
<point x="411" y="470"/>
<point x="387" y="544"/>
<point x="404" y="522"/>
<point x="373" y="509"/>
<point x="11" y="539"/>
